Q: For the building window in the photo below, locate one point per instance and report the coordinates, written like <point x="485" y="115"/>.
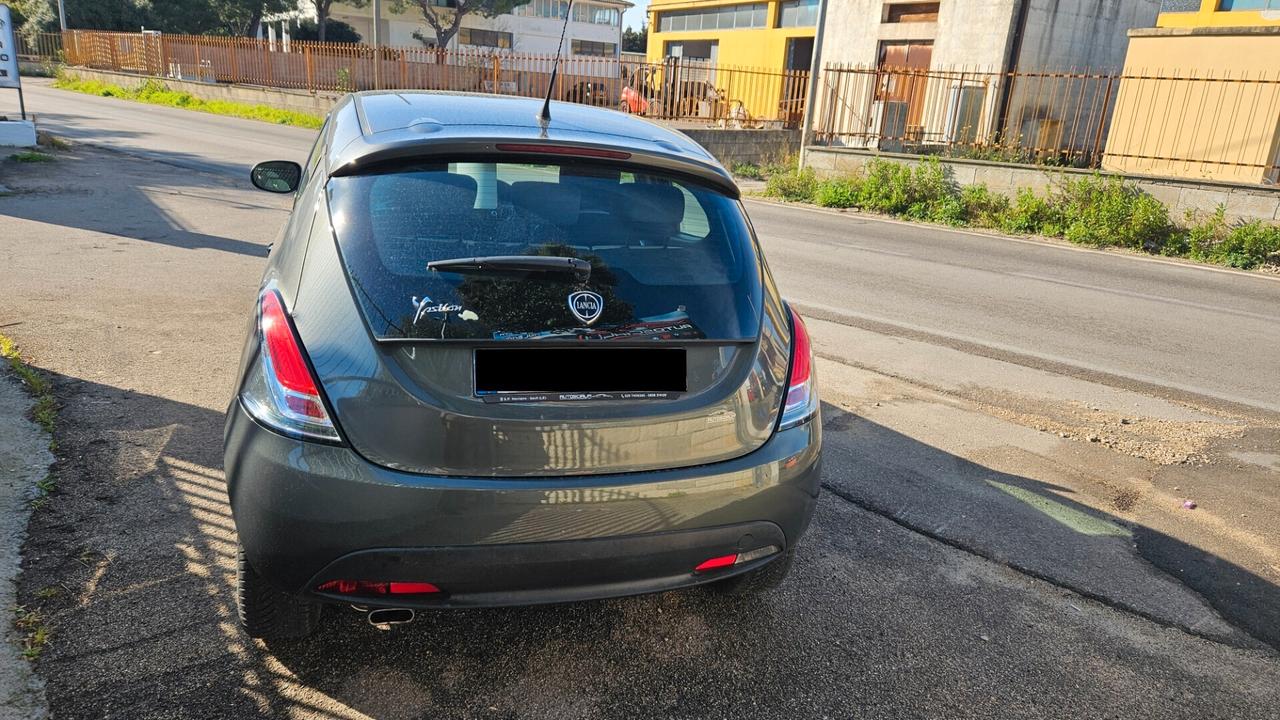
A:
<point x="543" y="8"/>
<point x="582" y="11"/>
<point x="725" y="17"/>
<point x="591" y="47"/>
<point x="485" y="38"/>
<point x="798" y="13"/>
<point x="595" y="14"/>
<point x="1230" y="5"/>
<point x="911" y="12"/>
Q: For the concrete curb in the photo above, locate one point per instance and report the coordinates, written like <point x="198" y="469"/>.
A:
<point x="24" y="460"/>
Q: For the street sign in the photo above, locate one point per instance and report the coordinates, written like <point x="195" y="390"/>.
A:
<point x="8" y="51"/>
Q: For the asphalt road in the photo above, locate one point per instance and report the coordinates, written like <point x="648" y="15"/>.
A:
<point x="129" y="275"/>
<point x="1210" y="335"/>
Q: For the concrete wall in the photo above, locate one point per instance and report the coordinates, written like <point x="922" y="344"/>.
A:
<point x="975" y="33"/>
<point x="1242" y="203"/>
<point x="1065" y="34"/>
<point x="731" y="147"/>
<point x="1205" y="128"/>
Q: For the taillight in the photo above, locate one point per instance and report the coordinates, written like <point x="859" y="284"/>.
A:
<point x="802" y="393"/>
<point x="281" y="392"/>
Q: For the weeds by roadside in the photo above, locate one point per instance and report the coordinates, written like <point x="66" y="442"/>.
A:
<point x="157" y="93"/>
<point x="45" y="410"/>
<point x="753" y="171"/>
<point x="31" y="626"/>
<point x="1092" y="210"/>
<point x="32" y="156"/>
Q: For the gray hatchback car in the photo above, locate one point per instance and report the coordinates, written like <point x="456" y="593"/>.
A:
<point x="503" y="361"/>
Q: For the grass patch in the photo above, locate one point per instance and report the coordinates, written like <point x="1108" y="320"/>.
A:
<point x="1088" y="210"/>
<point x="157" y="93"/>
<point x="45" y="411"/>
<point x="32" y="156"/>
<point x="31" y="626"/>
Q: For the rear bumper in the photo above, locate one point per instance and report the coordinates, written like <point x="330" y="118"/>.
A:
<point x="306" y="513"/>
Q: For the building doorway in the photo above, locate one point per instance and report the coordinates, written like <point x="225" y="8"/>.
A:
<point x="797" y="62"/>
<point x="902" y="79"/>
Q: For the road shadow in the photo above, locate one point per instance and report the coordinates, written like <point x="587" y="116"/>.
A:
<point x="131" y="561"/>
<point x="132" y="204"/>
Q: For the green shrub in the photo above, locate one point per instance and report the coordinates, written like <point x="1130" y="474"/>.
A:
<point x="796" y="185"/>
<point x="924" y="192"/>
<point x="751" y="171"/>
<point x="886" y="187"/>
<point x="1244" y="246"/>
<point x="1110" y="212"/>
<point x="1030" y="214"/>
<point x="983" y="208"/>
<point x="838" y="192"/>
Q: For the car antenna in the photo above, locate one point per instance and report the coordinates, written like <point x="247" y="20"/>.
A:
<point x="544" y="117"/>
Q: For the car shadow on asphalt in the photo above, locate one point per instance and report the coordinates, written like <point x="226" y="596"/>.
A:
<point x="132" y="562"/>
<point x="131" y="206"/>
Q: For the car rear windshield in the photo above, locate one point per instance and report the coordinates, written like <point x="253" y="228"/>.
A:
<point x="669" y="259"/>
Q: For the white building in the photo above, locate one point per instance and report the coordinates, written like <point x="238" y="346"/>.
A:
<point x="594" y="30"/>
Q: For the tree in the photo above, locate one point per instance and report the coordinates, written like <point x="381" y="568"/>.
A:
<point x="334" y="31"/>
<point x="323" y="24"/>
<point x="239" y="17"/>
<point x="446" y="21"/>
<point x="633" y="41"/>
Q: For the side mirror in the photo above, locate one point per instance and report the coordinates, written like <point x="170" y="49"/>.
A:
<point x="277" y="176"/>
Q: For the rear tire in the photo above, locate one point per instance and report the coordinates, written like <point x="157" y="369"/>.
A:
<point x="758" y="581"/>
<point x="267" y="612"/>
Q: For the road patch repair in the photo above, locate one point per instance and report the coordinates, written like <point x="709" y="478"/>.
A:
<point x="24" y="462"/>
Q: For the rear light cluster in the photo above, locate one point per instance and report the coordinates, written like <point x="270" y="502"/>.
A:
<point x="369" y="587"/>
<point x="728" y="561"/>
<point x="280" y="392"/>
<point x="802" y="393"/>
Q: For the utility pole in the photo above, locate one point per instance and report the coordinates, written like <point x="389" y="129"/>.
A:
<point x="62" y="16"/>
<point x="377" y="44"/>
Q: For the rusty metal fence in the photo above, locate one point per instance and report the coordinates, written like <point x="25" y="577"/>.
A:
<point x="676" y="89"/>
<point x="1179" y="123"/>
<point x="44" y="46"/>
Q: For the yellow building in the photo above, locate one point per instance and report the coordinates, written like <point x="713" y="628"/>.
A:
<point x="1200" y="96"/>
<point x="755" y="52"/>
<point x="1219" y="13"/>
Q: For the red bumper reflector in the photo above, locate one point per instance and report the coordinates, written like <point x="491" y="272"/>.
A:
<point x="413" y="588"/>
<point x="366" y="587"/>
<point x="716" y="563"/>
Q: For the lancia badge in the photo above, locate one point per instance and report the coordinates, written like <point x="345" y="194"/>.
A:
<point x="586" y="305"/>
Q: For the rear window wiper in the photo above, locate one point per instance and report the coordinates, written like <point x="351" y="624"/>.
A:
<point x="514" y="263"/>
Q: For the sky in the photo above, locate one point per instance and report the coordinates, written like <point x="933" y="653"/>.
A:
<point x="634" y="18"/>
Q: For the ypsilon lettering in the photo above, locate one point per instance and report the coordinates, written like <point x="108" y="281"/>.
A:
<point x="425" y="306"/>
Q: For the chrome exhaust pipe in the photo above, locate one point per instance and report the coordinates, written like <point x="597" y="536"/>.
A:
<point x="384" y="618"/>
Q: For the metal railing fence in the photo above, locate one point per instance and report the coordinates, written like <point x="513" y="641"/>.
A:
<point x="1148" y="121"/>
